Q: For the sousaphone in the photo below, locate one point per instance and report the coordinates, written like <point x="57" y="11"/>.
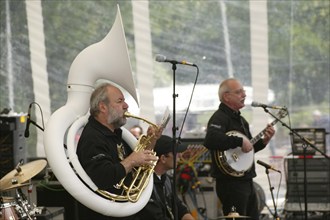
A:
<point x="105" y="60"/>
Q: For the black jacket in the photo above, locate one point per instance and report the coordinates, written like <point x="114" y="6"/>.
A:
<point x="98" y="154"/>
<point x="160" y="205"/>
<point x="97" y="151"/>
<point x="221" y="122"/>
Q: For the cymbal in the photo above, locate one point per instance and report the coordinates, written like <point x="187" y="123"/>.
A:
<point x="6" y="199"/>
<point x="20" y="175"/>
<point x="12" y="186"/>
<point x="233" y="215"/>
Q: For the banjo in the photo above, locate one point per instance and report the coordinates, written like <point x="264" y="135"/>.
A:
<point x="234" y="161"/>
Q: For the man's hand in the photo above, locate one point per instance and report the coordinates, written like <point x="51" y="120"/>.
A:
<point x="268" y="134"/>
<point x="137" y="159"/>
<point x="155" y="134"/>
<point x="246" y="145"/>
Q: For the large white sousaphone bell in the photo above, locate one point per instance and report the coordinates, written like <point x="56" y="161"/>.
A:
<point x="105" y="60"/>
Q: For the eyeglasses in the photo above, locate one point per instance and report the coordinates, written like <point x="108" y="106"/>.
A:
<point x="237" y="92"/>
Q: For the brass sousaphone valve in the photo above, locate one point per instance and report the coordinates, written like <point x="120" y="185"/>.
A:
<point x="141" y="175"/>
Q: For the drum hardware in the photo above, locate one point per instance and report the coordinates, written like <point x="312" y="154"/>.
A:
<point x="23" y="208"/>
<point x="6" y="199"/>
<point x="48" y="175"/>
<point x="8" y="212"/>
<point x="19" y="207"/>
<point x="233" y="215"/>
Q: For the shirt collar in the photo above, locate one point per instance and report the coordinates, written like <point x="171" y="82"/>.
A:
<point x="229" y="111"/>
<point x="103" y="129"/>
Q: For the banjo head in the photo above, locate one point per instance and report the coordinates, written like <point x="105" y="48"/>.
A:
<point x="236" y="158"/>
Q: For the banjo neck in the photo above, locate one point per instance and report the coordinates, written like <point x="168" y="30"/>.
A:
<point x="258" y="136"/>
<point x="234" y="161"/>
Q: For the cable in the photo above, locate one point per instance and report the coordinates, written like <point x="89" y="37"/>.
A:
<point x="186" y="113"/>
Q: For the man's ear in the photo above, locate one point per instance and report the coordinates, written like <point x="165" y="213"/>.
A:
<point x="103" y="107"/>
<point x="225" y="96"/>
<point x="162" y="158"/>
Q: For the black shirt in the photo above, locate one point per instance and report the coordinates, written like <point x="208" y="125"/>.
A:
<point x="160" y="205"/>
<point x="98" y="151"/>
<point x="221" y="122"/>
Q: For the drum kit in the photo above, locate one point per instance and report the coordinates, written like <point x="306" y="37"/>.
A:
<point x="234" y="216"/>
<point x="18" y="207"/>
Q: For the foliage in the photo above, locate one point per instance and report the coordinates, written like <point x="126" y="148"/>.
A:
<point x="299" y="51"/>
<point x="299" y="46"/>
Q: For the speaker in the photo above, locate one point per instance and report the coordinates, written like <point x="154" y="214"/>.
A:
<point x="12" y="143"/>
<point x="310" y="216"/>
<point x="316" y="136"/>
<point x="317" y="186"/>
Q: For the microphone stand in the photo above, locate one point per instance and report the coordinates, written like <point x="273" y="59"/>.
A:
<point x="272" y="194"/>
<point x="174" y="145"/>
<point x="175" y="142"/>
<point x="33" y="122"/>
<point x="305" y="144"/>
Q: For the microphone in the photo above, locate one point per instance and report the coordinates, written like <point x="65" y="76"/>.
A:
<point x="267" y="166"/>
<point x="27" y="132"/>
<point x="162" y="58"/>
<point x="257" y="104"/>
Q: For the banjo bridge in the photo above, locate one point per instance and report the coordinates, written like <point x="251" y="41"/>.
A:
<point x="235" y="157"/>
<point x="239" y="162"/>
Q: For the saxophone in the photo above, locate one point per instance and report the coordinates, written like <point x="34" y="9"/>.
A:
<point x="141" y="175"/>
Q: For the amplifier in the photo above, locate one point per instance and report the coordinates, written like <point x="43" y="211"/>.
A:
<point x="316" y="193"/>
<point x="316" y="136"/>
<point x="312" y="163"/>
<point x="12" y="143"/>
<point x="300" y="207"/>
<point x="317" y="169"/>
<point x="312" y="176"/>
<point x="317" y="184"/>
